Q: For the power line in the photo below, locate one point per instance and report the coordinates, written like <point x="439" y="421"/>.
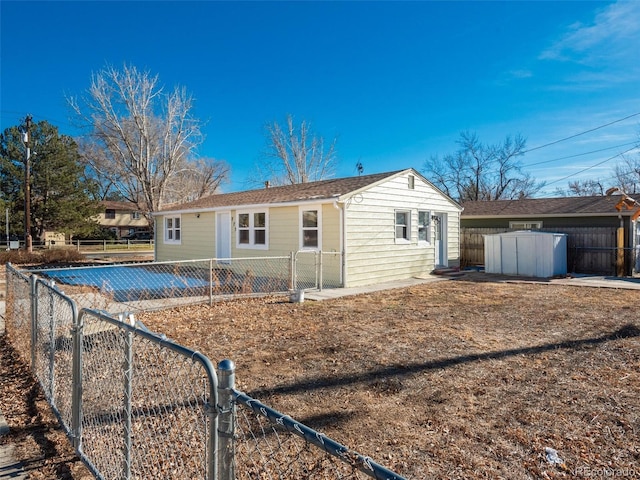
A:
<point x="582" y="133"/>
<point x="589" y="168"/>
<point x="6" y="114"/>
<point x="580" y="154"/>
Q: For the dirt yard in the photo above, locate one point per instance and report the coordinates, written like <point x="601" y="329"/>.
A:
<point x="465" y="379"/>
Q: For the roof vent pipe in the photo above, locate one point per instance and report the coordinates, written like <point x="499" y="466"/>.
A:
<point x="267" y="184"/>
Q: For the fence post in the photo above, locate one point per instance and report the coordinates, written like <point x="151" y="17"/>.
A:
<point x="76" y="375"/>
<point x="128" y="393"/>
<point x="226" y="420"/>
<point x="52" y="344"/>
<point x="34" y="321"/>
<point x="320" y="277"/>
<point x="292" y="271"/>
<point x="211" y="282"/>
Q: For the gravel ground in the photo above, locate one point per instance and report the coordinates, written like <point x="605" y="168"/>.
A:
<point x="459" y="379"/>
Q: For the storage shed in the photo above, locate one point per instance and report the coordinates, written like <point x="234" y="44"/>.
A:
<point x="526" y="253"/>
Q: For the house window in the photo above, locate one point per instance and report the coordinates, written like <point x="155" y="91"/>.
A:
<point x="310" y="233"/>
<point x="135" y="215"/>
<point x="110" y="214"/>
<point x="412" y="182"/>
<point x="403" y="226"/>
<point x="252" y="230"/>
<point x="423" y="226"/>
<point x="537" y="224"/>
<point x="172" y="230"/>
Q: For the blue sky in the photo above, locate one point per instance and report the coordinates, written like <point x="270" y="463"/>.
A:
<point x="396" y="82"/>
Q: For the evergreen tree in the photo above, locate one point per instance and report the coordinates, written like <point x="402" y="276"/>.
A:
<point x="60" y="200"/>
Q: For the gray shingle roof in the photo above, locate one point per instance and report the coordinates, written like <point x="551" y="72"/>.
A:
<point x="569" y="206"/>
<point x="321" y="190"/>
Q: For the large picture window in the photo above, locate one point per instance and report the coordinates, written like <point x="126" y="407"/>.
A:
<point x="172" y="230"/>
<point x="403" y="226"/>
<point x="252" y="230"/>
<point x="311" y="231"/>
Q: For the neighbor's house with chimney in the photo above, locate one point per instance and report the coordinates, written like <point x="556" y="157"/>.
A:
<point x="369" y="228"/>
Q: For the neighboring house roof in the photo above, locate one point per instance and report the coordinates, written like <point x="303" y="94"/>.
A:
<point x="332" y="189"/>
<point x="113" y="205"/>
<point x="545" y="207"/>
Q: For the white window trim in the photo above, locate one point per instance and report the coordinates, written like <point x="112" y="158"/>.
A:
<point x="402" y="241"/>
<point x="172" y="241"/>
<point x="514" y="224"/>
<point x="428" y="240"/>
<point x="301" y="210"/>
<point x="251" y="245"/>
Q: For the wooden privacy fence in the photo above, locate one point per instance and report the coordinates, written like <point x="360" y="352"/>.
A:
<point x="591" y="250"/>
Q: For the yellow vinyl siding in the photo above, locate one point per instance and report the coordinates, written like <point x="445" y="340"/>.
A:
<point x="197" y="238"/>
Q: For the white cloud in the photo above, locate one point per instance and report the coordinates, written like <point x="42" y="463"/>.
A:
<point x="613" y="34"/>
<point x="520" y="73"/>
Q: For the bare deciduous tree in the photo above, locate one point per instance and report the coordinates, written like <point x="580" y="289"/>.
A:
<point x="141" y="139"/>
<point x="582" y="188"/>
<point x="296" y="155"/>
<point x="197" y="179"/>
<point x="627" y="174"/>
<point x="482" y="172"/>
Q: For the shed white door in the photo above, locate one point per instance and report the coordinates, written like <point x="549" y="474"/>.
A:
<point x="223" y="235"/>
<point x="440" y="238"/>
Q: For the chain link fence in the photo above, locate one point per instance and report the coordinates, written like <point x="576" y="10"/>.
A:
<point x="148" y="405"/>
<point x="317" y="270"/>
<point x="52" y="349"/>
<point x="269" y="444"/>
<point x="146" y="286"/>
<point x="136" y="405"/>
<point x="18" y="312"/>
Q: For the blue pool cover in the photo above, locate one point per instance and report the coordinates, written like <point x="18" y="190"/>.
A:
<point x="131" y="283"/>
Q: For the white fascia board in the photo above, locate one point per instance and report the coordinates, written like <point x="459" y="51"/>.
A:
<point x="248" y="206"/>
<point x="346" y="196"/>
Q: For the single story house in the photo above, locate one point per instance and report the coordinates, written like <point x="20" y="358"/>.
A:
<point x="385" y="226"/>
<point x="597" y="231"/>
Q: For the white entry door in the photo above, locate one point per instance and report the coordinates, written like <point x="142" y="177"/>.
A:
<point x="223" y="235"/>
<point x="440" y="239"/>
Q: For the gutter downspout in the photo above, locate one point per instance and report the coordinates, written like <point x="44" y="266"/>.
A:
<point x="343" y="228"/>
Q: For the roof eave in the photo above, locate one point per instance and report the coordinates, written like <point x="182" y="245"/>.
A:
<point x="547" y="215"/>
<point x="252" y="206"/>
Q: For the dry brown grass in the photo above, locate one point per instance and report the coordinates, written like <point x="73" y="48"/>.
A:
<point x="458" y="379"/>
<point x="445" y="380"/>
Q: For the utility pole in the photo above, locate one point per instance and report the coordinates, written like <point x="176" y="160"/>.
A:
<point x="27" y="188"/>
